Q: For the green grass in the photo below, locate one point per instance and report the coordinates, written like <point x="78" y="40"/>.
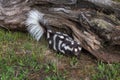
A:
<point x="107" y="72"/>
<point x="23" y="58"/>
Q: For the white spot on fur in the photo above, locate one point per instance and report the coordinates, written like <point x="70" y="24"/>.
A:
<point x="68" y="39"/>
<point x="63" y="45"/>
<point x="48" y="35"/>
<point x="76" y="49"/>
<point x="59" y="47"/>
<point x="50" y="42"/>
<point x="50" y="31"/>
<point x="62" y="37"/>
<point x="58" y="32"/>
<point x="65" y="34"/>
<point x="80" y="48"/>
<point x="72" y="42"/>
<point x="54" y="39"/>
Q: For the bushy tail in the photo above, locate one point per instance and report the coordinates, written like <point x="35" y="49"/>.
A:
<point x="33" y="23"/>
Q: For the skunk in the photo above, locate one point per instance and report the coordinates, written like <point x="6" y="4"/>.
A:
<point x="57" y="41"/>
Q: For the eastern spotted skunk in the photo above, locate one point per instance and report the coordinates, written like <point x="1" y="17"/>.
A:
<point x="58" y="41"/>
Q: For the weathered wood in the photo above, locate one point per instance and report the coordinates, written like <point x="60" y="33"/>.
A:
<point x="12" y="14"/>
<point x="98" y="32"/>
<point x="107" y="6"/>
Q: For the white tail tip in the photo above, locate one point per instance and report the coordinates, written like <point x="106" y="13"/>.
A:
<point x="33" y="23"/>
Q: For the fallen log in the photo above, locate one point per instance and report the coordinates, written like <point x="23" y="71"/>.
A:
<point x="87" y="20"/>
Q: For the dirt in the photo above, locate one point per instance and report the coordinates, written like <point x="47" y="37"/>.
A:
<point x="82" y="69"/>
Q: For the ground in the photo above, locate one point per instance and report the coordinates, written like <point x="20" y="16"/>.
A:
<point x="23" y="58"/>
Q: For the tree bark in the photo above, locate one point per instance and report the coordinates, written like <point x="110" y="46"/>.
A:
<point x="96" y="25"/>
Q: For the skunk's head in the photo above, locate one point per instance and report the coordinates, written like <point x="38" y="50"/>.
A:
<point x="72" y="47"/>
<point x="76" y="48"/>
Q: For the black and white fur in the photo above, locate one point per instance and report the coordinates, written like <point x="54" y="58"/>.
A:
<point x="63" y="43"/>
<point x="58" y="41"/>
